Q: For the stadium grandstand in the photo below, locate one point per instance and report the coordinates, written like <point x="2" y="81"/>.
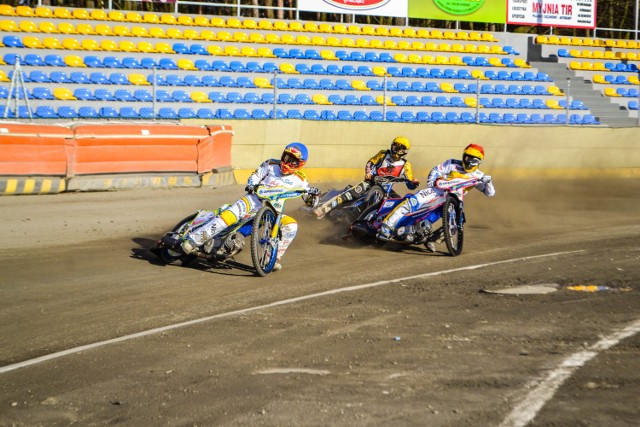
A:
<point x="109" y="64"/>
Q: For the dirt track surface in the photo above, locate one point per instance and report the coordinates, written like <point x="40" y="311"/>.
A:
<point x="431" y="350"/>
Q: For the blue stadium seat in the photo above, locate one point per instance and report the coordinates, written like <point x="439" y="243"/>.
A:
<point x="303" y="68"/>
<point x="409" y="72"/>
<point x="432" y="87"/>
<point x="146" y="113"/>
<point x="180" y="95"/>
<point x="550" y="119"/>
<point x="407" y="116"/>
<point x="575" y="119"/>
<point x="350" y="99"/>
<point x="267" y="98"/>
<point x="508" y="62"/>
<point x="309" y="83"/>
<point x="469" y="61"/>
<point x="148" y="63"/>
<point x="511" y="103"/>
<point x="589" y="119"/>
<point x="452" y="117"/>
<point x="54" y="60"/>
<point x="202" y="65"/>
<point x="38" y="93"/>
<point x="294" y="114"/>
<point x="632" y="105"/>
<point x="422" y="116"/>
<point x="237" y="67"/>
<point x="67" y="112"/>
<point x="417" y="86"/>
<point x="403" y="85"/>
<point x="173" y="80"/>
<point x="349" y="70"/>
<point x="394" y="71"/>
<point x="495" y="118"/>
<point x="259" y="113"/>
<point x="79" y="77"/>
<point x="422" y="72"/>
<point x="111" y="62"/>
<point x="119" y="79"/>
<point x="427" y="101"/>
<point x="503" y="75"/>
<point x="46" y="112"/>
<point x="227" y="81"/>
<point x="491" y="75"/>
<point x="398" y="100"/>
<point x="376" y="116"/>
<point x="99" y="78"/>
<point x="167" y="64"/>
<point x="342" y="55"/>
<point x="412" y="100"/>
<point x="442" y="101"/>
<point x="206" y="113"/>
<point x="279" y="114"/>
<point x="318" y="69"/>
<point x="391" y="86"/>
<point x="367" y="100"/>
<point x="498" y="103"/>
<point x="522" y="118"/>
<point x="167" y="113"/>
<point x="344" y="115"/>
<point x="509" y="118"/>
<point x="87" y="112"/>
<point x="108" y="113"/>
<point x="536" y="118"/>
<point x="335" y="99"/>
<point x="311" y="115"/>
<point x="356" y="55"/>
<point x="38" y="76"/>
<point x="294" y="83"/>
<point x="303" y="98"/>
<point x="328" y="115"/>
<point x="312" y="54"/>
<point x="538" y="103"/>
<point x="449" y="73"/>
<point x="12" y="41"/>
<point x="251" y="98"/>
<point x="131" y="63"/>
<point x="374" y="85"/>
<point x="60" y="77"/>
<point x="163" y="96"/>
<point x="103" y="94"/>
<point x="192" y="80"/>
<point x="186" y="113"/>
<point x="437" y="117"/>
<point x="481" y="61"/>
<point x="334" y="69"/>
<point x="286" y="98"/>
<point x="371" y="57"/>
<point x="326" y="84"/>
<point x="517" y="76"/>
<point x="210" y="80"/>
<point x="467" y="117"/>
<point x="386" y="57"/>
<point x="34" y="60"/>
<point x="198" y="49"/>
<point x="281" y="52"/>
<point x="122" y="95"/>
<point x="269" y="67"/>
<point x="128" y="113"/>
<point x="360" y="116"/>
<point x="365" y="70"/>
<point x="393" y="116"/>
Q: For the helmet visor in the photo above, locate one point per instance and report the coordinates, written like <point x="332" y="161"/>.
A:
<point x="290" y="160"/>
<point x="399" y="149"/>
<point x="471" y="161"/>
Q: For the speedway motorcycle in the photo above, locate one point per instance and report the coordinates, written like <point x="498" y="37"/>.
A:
<point x="340" y="206"/>
<point x="262" y="229"/>
<point x="416" y="228"/>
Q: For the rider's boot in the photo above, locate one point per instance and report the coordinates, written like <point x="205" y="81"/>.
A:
<point x="384" y="233"/>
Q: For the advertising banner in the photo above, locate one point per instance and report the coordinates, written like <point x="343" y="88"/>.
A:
<point x="554" y="13"/>
<point x="493" y="11"/>
<point x="395" y="8"/>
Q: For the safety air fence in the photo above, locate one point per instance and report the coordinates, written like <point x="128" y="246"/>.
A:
<point x="41" y="159"/>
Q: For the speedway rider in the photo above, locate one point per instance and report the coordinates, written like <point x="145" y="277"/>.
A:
<point x="285" y="172"/>
<point x="472" y="156"/>
<point x="389" y="162"/>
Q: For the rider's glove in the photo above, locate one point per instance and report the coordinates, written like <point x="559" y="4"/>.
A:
<point x="368" y="177"/>
<point x="413" y="184"/>
<point x="431" y="184"/>
<point x="314" y="191"/>
<point x="250" y="188"/>
<point x="486" y="179"/>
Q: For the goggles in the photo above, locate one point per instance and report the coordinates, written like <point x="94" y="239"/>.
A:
<point x="472" y="161"/>
<point x="397" y="148"/>
<point x="290" y="160"/>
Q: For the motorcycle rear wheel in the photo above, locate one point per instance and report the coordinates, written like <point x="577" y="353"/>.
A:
<point x="452" y="226"/>
<point x="170" y="256"/>
<point x="264" y="248"/>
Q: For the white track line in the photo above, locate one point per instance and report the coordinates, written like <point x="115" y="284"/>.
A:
<point x="544" y="389"/>
<point x="148" y="332"/>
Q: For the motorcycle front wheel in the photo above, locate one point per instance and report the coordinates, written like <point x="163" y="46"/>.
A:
<point x="264" y="246"/>
<point x="170" y="256"/>
<point x="452" y="226"/>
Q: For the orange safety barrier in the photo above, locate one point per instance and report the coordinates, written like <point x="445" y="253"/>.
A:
<point x="84" y="149"/>
<point x="33" y="150"/>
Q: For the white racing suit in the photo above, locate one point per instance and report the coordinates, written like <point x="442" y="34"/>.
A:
<point x="423" y="197"/>
<point x="268" y="174"/>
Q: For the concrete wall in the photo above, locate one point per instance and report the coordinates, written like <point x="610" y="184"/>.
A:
<point x="340" y="150"/>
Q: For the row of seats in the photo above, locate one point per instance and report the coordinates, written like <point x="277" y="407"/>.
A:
<point x="88" y="112"/>
<point x="598" y="54"/>
<point x="237" y="23"/>
<point x="618" y="80"/>
<point x="618" y="67"/>
<point x="621" y="91"/>
<point x="588" y="42"/>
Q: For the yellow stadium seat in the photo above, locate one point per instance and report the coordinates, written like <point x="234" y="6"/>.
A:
<point x="347" y="42"/>
<point x="321" y="99"/>
<point x="86" y="29"/>
<point x="488" y="37"/>
<point x="359" y="85"/>
<point x="98" y="15"/>
<point x="168" y="19"/>
<point x="633" y="44"/>
<point x="185" y="20"/>
<point x="265" y="52"/>
<point x="28" y="27"/>
<point x="265" y="24"/>
<point x="471" y="102"/>
<point x="74" y="61"/>
<point x="368" y="30"/>
<point x="575" y="65"/>
<point x="248" y="51"/>
<point x="477" y="37"/>
<point x="423" y="33"/>
<point x="379" y="71"/>
<point x="396" y="32"/>
<point x="7" y="10"/>
<point x="376" y="44"/>
<point x="404" y="45"/>
<point x="217" y="21"/>
<point x="186" y="64"/>
<point x="554" y="90"/>
<point x="256" y="38"/>
<point x="157" y="33"/>
<point x="232" y="51"/>
<point x="127" y="46"/>
<point x="596" y="66"/>
<point x="116" y="15"/>
<point x="138" y="79"/>
<point x="564" y="40"/>
<point x="328" y="54"/>
<point x="63" y="93"/>
<point x="240" y="36"/>
<point x="262" y="82"/>
<point x="146" y="47"/>
<point x="401" y="58"/>
<point x="598" y="78"/>
<point x="384" y="100"/>
<point x="280" y="26"/>
<point x="436" y="34"/>
<point x="414" y="58"/>
<point x="609" y="54"/>
<point x="163" y="47"/>
<point x="333" y="41"/>
<point x="444" y="47"/>
<point x="215" y="50"/>
<point x="4" y="77"/>
<point x="137" y="31"/>
<point x="24" y="11"/>
<point x="483" y="48"/>
<point x="325" y="28"/>
<point x="287" y="39"/>
<point x="552" y="103"/>
<point x="496" y="62"/>
<point x="456" y="60"/>
<point x="447" y="87"/>
<point x="81" y="14"/>
<point x="457" y="47"/>
<point x="199" y="96"/>
<point x="296" y="26"/>
<point x="442" y="60"/>
<point x="174" y="33"/>
<point x="51" y="43"/>
<point x="9" y="25"/>
<point x="632" y="56"/>
<point x="224" y="36"/>
<point x="477" y="74"/>
<point x="390" y="44"/>
<point x="428" y="59"/>
<point x="201" y="21"/>
<point x="497" y="49"/>
<point x="151" y="18"/>
<point x="109" y="45"/>
<point x="67" y="28"/>
<point x="598" y="54"/>
<point x="134" y="17"/>
<point x="71" y="43"/>
<point x="208" y="35"/>
<point x="272" y="38"/>
<point x="43" y="12"/>
<point x="382" y="31"/>
<point x="362" y="43"/>
<point x="633" y="79"/>
<point x="431" y="46"/>
<point x="287" y="68"/>
<point x="610" y="91"/>
<point x="249" y="24"/>
<point x="339" y="29"/>
<point x="121" y="30"/>
<point x="90" y="44"/>
<point x="318" y="41"/>
<point x="409" y="32"/>
<point x="303" y="40"/>
<point x="354" y="30"/>
<point x="32" y="42"/>
<point x="470" y="48"/>
<point x="233" y="23"/>
<point x="521" y="63"/>
<point x="104" y="30"/>
<point x="311" y="27"/>
<point x="417" y="46"/>
<point x="462" y="35"/>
